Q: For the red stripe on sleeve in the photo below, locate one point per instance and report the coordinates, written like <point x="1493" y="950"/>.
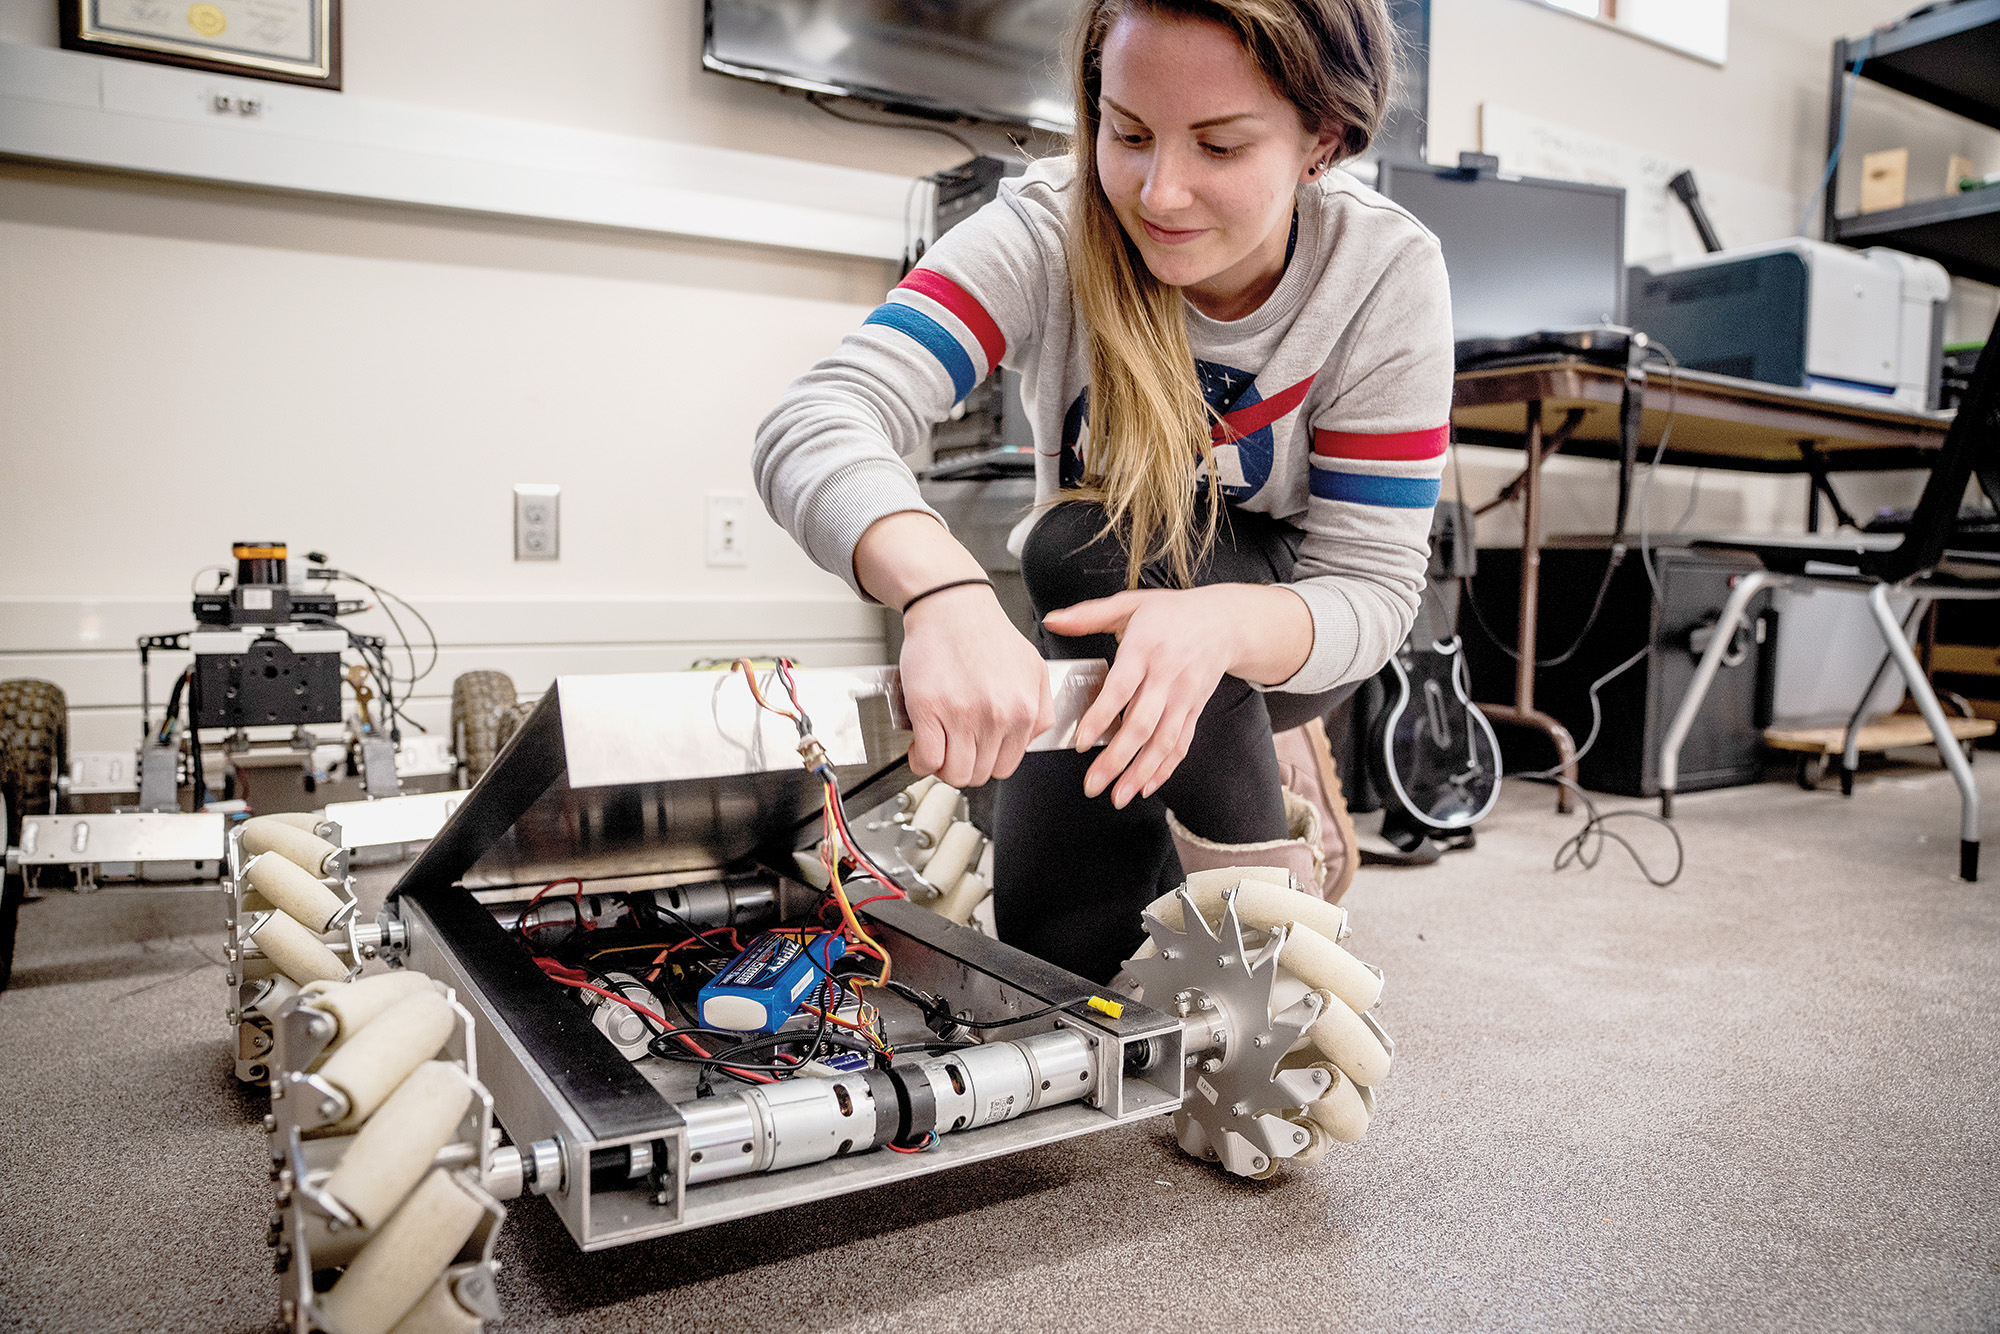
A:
<point x="960" y="303"/>
<point x="1254" y="418"/>
<point x="1400" y="445"/>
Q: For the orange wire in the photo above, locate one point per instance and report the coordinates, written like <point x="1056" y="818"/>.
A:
<point x="750" y="675"/>
<point x="847" y="910"/>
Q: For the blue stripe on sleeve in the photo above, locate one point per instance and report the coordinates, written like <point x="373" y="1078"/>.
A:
<point x="933" y="336"/>
<point x="1403" y="493"/>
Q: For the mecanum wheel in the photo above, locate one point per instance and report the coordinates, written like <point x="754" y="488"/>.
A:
<point x="478" y="702"/>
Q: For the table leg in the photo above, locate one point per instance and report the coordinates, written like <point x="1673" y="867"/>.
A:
<point x="1523" y="711"/>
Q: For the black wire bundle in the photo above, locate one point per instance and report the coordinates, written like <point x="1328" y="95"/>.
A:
<point x="378" y="661"/>
<point x="941" y="1021"/>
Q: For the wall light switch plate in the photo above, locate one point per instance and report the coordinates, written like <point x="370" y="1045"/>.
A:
<point x="725" y="528"/>
<point x="537" y="532"/>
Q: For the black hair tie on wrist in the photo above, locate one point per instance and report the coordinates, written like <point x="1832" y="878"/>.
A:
<point x="956" y="583"/>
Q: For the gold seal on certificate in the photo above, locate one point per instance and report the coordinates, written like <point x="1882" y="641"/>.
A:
<point x="295" y="41"/>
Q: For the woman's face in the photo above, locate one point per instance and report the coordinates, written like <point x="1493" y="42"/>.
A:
<point x="1199" y="157"/>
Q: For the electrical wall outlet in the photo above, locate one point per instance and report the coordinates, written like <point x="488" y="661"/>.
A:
<point x="725" y="528"/>
<point x="537" y="533"/>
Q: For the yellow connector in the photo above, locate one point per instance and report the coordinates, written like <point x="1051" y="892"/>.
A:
<point x="1116" y="1009"/>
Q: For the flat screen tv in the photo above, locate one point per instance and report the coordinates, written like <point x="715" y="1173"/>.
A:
<point x="990" y="60"/>
<point x="993" y="60"/>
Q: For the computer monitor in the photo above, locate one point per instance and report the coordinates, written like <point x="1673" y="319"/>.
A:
<point x="1523" y="254"/>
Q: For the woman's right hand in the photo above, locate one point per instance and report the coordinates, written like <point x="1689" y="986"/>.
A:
<point x="976" y="691"/>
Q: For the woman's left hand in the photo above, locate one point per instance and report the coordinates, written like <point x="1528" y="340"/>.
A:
<point x="1174" y="647"/>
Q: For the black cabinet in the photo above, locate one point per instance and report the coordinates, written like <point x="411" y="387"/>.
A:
<point x="1726" y="747"/>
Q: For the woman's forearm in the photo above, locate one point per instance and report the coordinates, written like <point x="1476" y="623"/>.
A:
<point x="1275" y="636"/>
<point x="902" y="554"/>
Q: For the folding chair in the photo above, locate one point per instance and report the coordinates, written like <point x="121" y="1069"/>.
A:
<point x="1923" y="563"/>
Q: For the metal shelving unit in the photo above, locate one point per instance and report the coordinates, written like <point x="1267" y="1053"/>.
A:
<point x="1948" y="55"/>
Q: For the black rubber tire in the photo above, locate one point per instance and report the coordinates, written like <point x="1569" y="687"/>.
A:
<point x="34" y="748"/>
<point x="479" y="700"/>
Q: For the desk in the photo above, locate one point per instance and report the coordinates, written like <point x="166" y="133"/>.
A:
<point x="1565" y="402"/>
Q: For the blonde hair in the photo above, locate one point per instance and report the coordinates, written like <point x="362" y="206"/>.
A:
<point x="1334" y="61"/>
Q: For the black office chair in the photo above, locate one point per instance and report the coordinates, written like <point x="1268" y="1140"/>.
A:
<point x="1925" y="563"/>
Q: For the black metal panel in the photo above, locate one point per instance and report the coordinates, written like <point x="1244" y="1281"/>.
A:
<point x="530" y="764"/>
<point x="1726" y="747"/>
<point x="981" y="953"/>
<point x="266" y="685"/>
<point x="609" y="1096"/>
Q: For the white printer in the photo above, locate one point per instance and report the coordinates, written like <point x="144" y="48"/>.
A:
<point x="1865" y="325"/>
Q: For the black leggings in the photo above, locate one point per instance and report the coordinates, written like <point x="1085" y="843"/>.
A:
<point x="1071" y="873"/>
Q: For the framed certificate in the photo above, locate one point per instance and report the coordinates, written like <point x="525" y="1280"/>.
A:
<point x="292" y="41"/>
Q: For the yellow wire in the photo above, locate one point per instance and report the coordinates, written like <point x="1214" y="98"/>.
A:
<point x="840" y="896"/>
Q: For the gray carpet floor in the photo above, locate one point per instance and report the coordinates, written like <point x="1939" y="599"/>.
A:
<point x="1763" y="1098"/>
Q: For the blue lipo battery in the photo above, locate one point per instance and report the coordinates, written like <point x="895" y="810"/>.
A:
<point x="763" y="986"/>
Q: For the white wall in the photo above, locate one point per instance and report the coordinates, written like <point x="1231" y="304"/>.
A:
<point x="182" y="365"/>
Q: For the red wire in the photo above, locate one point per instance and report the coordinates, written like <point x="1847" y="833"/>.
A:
<point x="682" y="1038"/>
<point x="528" y="927"/>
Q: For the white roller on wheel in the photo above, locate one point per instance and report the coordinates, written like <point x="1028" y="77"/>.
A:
<point x="268" y="833"/>
<point x="354" y="1004"/>
<point x="970" y="891"/>
<point x="296" y="891"/>
<point x="403" y="1259"/>
<point x="282" y="989"/>
<point x="934" y="814"/>
<point x="395" y="1148"/>
<point x="1339" y="1111"/>
<point x="306" y="820"/>
<point x="1318" y="1142"/>
<point x="1324" y="966"/>
<point x="913" y="796"/>
<point x="438" y="1311"/>
<point x="1347" y="1042"/>
<point x="296" y="951"/>
<point x="370" y="1065"/>
<point x="957" y="851"/>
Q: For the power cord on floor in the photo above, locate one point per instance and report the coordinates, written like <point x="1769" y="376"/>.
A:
<point x="1585" y="847"/>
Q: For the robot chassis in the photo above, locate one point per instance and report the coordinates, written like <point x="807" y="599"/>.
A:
<point x="1253" y="1031"/>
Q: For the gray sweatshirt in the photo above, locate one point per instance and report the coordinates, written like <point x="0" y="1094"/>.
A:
<point x="1335" y="397"/>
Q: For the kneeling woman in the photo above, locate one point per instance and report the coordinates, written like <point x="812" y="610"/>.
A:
<point x="1238" y="366"/>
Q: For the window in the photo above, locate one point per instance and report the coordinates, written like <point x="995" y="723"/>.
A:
<point x="1698" y="27"/>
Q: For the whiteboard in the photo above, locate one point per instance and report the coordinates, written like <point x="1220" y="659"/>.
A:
<point x="1656" y="225"/>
